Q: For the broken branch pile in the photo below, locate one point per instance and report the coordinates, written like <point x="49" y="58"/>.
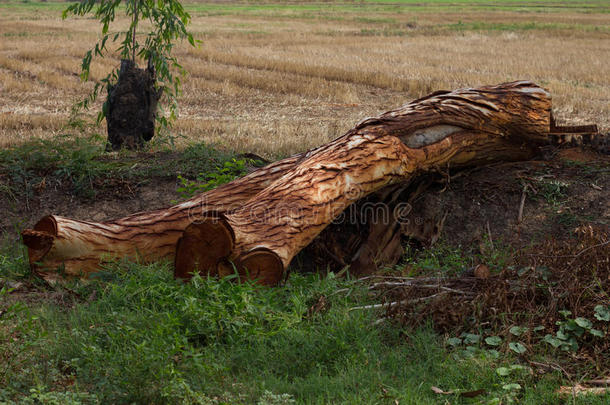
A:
<point x="571" y="275"/>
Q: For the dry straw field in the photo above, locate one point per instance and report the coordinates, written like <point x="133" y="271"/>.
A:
<point x="280" y="78"/>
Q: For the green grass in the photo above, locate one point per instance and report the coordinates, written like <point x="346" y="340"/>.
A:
<point x="527" y="26"/>
<point x="82" y="165"/>
<point x="307" y="9"/>
<point x="377" y="18"/>
<point x="399" y="6"/>
<point x="441" y="257"/>
<point x="143" y="337"/>
<point x="451" y="260"/>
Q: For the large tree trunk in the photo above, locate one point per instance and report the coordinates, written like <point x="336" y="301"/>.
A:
<point x="465" y="127"/>
<point x="257" y="224"/>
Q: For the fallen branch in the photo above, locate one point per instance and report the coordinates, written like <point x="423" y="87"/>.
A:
<point x="397" y="303"/>
<point x="416" y="284"/>
<point x="522" y="204"/>
<point x="598" y="382"/>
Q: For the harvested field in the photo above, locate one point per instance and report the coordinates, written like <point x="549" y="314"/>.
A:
<point x="280" y="79"/>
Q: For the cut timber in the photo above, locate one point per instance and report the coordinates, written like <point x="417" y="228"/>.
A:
<point x="257" y="224"/>
<point x="78" y="248"/>
<point x="461" y="128"/>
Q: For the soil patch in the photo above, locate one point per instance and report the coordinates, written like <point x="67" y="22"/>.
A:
<point x="558" y="195"/>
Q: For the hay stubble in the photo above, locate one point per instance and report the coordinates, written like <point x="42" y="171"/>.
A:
<point x="276" y="84"/>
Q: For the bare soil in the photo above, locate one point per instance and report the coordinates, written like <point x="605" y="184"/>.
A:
<point x="569" y="189"/>
<point x="115" y="198"/>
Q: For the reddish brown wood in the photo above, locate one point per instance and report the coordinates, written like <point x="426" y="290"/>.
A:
<point x="464" y="127"/>
<point x="256" y="225"/>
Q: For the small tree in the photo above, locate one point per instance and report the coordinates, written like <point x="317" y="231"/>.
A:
<point x="168" y="19"/>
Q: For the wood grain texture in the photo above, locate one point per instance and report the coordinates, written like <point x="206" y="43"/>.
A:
<point x="464" y="127"/>
<point x="78" y="248"/>
<point x="267" y="217"/>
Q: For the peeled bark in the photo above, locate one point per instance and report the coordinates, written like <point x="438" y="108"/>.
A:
<point x="257" y="224"/>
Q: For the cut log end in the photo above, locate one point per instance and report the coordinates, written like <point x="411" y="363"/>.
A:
<point x="38" y="243"/>
<point x="40" y="239"/>
<point x="206" y="246"/>
<point x="203" y="246"/>
<point x="261" y="265"/>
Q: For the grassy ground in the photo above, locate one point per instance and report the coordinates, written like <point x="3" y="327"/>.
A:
<point x="135" y="335"/>
<point x="276" y="79"/>
<point x="142" y="337"/>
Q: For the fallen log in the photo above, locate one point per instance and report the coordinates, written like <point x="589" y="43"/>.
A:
<point x="464" y="127"/>
<point x="257" y="224"/>
<point x="79" y="248"/>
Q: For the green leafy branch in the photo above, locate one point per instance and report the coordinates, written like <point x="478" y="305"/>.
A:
<point x="168" y="20"/>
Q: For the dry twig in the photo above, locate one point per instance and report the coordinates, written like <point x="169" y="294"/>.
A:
<point x="522" y="204"/>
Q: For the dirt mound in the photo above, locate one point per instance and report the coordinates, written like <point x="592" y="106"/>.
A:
<point x="520" y="203"/>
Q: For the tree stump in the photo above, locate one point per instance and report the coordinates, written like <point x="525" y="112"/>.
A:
<point x="257" y="224"/>
<point x="131" y="109"/>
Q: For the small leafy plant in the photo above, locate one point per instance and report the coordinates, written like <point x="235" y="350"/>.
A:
<point x="508" y="390"/>
<point x="229" y="171"/>
<point x="472" y="346"/>
<point x="551" y="191"/>
<point x="168" y="21"/>
<point x="571" y="330"/>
